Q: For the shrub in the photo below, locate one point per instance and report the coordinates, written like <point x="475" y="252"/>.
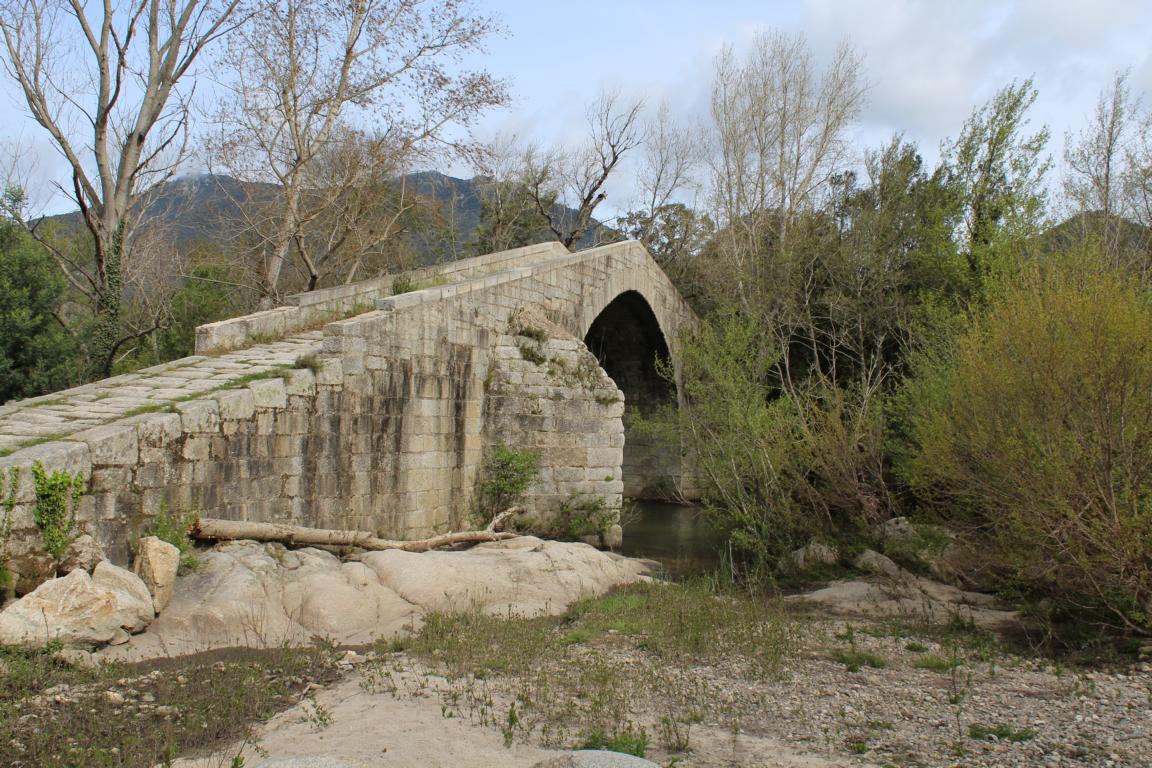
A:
<point x="57" y="496"/>
<point x="1035" y="429"/>
<point x="173" y="528"/>
<point x="777" y="467"/>
<point x="505" y="475"/>
<point x="579" y="515"/>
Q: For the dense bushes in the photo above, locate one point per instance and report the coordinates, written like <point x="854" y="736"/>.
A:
<point x="777" y="467"/>
<point x="1035" y="430"/>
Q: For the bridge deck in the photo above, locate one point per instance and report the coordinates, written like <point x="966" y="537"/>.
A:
<point x="60" y="414"/>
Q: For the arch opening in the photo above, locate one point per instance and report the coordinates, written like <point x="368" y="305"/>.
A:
<point x="627" y="340"/>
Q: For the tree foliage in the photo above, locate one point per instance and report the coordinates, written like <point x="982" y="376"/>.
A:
<point x="1035" y="430"/>
<point x="35" y="350"/>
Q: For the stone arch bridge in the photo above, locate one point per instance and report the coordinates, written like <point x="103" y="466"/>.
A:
<point x="371" y="406"/>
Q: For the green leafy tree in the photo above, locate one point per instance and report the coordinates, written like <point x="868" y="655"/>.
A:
<point x="998" y="171"/>
<point x="35" y="351"/>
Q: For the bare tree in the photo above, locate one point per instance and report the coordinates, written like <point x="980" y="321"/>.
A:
<point x="778" y="133"/>
<point x="308" y="74"/>
<point x="577" y="178"/>
<point x="508" y="213"/>
<point x="103" y="84"/>
<point x="1098" y="182"/>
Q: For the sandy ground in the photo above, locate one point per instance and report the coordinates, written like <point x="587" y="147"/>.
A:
<point x="381" y="731"/>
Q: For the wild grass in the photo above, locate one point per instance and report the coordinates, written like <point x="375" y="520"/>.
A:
<point x="55" y="715"/>
<point x="559" y="681"/>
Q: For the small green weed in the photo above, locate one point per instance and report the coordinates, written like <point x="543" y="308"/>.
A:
<point x="531" y="353"/>
<point x="628" y="741"/>
<point x="532" y="332"/>
<point x="935" y="663"/>
<point x="1000" y="732"/>
<point x="855" y="659"/>
<point x="309" y="362"/>
<point x="505" y="475"/>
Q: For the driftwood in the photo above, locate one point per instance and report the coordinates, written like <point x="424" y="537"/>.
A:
<point x="231" y="530"/>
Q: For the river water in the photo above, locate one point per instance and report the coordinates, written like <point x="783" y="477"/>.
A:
<point x="673" y="534"/>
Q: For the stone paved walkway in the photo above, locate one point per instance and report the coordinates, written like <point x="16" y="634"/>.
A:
<point x="54" y="416"/>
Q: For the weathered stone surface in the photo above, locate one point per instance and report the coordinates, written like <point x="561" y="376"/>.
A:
<point x="84" y="552"/>
<point x="133" y="602"/>
<point x="304" y="762"/>
<point x="156" y="564"/>
<point x="30" y="567"/>
<point x="872" y="561"/>
<point x="236" y="404"/>
<point x="911" y="596"/>
<point x="587" y="758"/>
<point x="814" y="554"/>
<point x="536" y="576"/>
<point x="263" y="595"/>
<point x="269" y="393"/>
<point x="72" y="609"/>
<point x="113" y="445"/>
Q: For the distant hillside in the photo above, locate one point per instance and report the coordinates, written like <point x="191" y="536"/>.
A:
<point x="203" y="210"/>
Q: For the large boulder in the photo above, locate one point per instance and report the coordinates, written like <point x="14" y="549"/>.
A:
<point x="77" y="610"/>
<point x="526" y="575"/>
<point x="871" y="561"/>
<point x="84" y="552"/>
<point x="245" y="593"/>
<point x="133" y="601"/>
<point x="156" y="564"/>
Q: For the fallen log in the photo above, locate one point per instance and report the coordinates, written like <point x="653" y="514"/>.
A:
<point x="215" y="529"/>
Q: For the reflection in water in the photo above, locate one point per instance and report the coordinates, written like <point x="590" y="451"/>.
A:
<point x="673" y="534"/>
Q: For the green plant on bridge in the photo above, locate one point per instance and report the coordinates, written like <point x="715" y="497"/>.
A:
<point x="505" y="475"/>
<point x="8" y="506"/>
<point x="57" y="496"/>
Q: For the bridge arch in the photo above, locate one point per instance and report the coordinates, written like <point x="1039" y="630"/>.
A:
<point x="631" y="346"/>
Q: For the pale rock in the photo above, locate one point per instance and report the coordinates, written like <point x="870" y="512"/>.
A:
<point x="119" y="637"/>
<point x="814" y="554"/>
<point x="528" y="574"/>
<point x="133" y="601"/>
<point x="71" y="609"/>
<point x="598" y="758"/>
<point x="84" y="552"/>
<point x="250" y="594"/>
<point x="156" y="564"/>
<point x="871" y="561"/>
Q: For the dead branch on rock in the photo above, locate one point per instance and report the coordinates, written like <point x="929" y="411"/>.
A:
<point x="215" y="529"/>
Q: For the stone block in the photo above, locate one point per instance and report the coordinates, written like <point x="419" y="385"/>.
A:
<point x="70" y="457"/>
<point x="199" y="416"/>
<point x="269" y="393"/>
<point x="300" y="381"/>
<point x="197" y="447"/>
<point x="157" y="430"/>
<point x="236" y="404"/>
<point x="114" y="479"/>
<point x="113" y="445"/>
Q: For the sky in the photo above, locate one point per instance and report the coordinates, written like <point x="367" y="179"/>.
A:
<point x="928" y="63"/>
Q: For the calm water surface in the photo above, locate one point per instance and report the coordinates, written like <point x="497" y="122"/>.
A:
<point x="673" y="534"/>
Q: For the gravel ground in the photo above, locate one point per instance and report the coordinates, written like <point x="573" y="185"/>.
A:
<point x="934" y="702"/>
